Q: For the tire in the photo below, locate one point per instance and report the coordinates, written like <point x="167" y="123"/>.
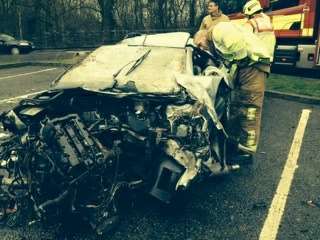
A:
<point x="15" y="51"/>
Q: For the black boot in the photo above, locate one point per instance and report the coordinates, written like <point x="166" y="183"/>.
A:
<point x="235" y="156"/>
<point x="242" y="158"/>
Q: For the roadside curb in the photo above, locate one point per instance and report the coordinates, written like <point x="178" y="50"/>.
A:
<point x="15" y="65"/>
<point x="293" y="97"/>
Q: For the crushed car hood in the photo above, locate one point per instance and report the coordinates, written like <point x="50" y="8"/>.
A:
<point x="150" y="64"/>
<point x="144" y="69"/>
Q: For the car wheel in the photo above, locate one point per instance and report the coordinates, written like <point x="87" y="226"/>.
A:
<point x="15" y="51"/>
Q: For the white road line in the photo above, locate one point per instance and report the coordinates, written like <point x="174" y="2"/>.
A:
<point x="272" y="223"/>
<point x="29" y="73"/>
<point x="15" y="99"/>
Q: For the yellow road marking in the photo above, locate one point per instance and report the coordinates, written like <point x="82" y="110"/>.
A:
<point x="272" y="223"/>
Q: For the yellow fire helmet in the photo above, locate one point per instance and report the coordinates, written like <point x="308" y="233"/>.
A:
<point x="251" y="7"/>
<point x="229" y="41"/>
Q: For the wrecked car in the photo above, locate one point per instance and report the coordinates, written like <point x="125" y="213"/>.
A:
<point x="147" y="113"/>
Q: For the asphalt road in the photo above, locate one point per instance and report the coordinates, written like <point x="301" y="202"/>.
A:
<point x="16" y="82"/>
<point x="233" y="207"/>
<point x="42" y="55"/>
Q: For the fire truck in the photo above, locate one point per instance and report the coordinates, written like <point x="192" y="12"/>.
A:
<point x="297" y="28"/>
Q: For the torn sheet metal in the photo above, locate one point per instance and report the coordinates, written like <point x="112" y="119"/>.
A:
<point x="204" y="89"/>
<point x="228" y="75"/>
<point x="187" y="159"/>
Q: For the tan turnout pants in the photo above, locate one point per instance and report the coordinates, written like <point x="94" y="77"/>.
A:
<point x="246" y="107"/>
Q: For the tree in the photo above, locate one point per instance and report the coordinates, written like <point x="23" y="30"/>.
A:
<point x="107" y="18"/>
<point x="192" y="13"/>
<point x="69" y="22"/>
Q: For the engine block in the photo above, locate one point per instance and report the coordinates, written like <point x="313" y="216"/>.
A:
<point x="72" y="139"/>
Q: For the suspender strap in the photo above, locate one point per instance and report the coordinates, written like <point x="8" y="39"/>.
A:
<point x="252" y="25"/>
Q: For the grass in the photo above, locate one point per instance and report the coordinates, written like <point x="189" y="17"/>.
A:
<point x="294" y="84"/>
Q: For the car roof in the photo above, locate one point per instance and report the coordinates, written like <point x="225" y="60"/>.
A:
<point x="174" y="40"/>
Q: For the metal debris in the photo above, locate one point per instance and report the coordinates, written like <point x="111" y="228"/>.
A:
<point x="312" y="203"/>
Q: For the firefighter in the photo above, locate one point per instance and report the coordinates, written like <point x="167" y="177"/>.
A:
<point x="243" y="49"/>
<point x="260" y="24"/>
<point x="214" y="17"/>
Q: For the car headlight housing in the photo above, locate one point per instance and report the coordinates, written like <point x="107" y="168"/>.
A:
<point x="12" y="122"/>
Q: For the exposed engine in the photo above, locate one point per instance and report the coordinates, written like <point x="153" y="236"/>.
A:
<point x="60" y="170"/>
<point x="74" y="152"/>
<point x="146" y="113"/>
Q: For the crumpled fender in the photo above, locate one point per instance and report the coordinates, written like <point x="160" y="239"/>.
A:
<point x="203" y="89"/>
<point x="186" y="158"/>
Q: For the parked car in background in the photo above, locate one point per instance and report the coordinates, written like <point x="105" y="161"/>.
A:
<point x="9" y="44"/>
